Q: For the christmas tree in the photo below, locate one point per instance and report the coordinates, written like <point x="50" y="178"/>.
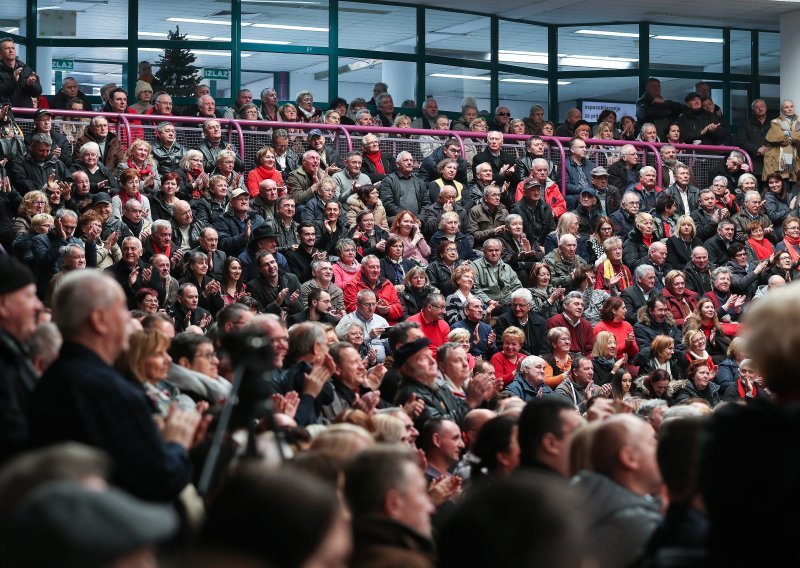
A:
<point x="176" y="71"/>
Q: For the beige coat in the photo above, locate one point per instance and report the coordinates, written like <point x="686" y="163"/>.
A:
<point x="355" y="205"/>
<point x="780" y="146"/>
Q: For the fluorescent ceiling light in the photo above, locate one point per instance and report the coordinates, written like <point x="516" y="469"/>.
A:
<point x="533" y="81"/>
<point x="264" y="41"/>
<point x="457" y="76"/>
<point x="280" y="2"/>
<point x="607" y="33"/>
<point x="10" y="30"/>
<point x="686" y="38"/>
<point x="200" y="21"/>
<point x="285" y="27"/>
<point x="567" y="60"/>
<point x="510" y="56"/>
<point x="195" y="51"/>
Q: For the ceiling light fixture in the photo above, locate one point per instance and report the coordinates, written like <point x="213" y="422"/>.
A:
<point x="457" y="76"/>
<point x="687" y="38"/>
<point x="533" y="81"/>
<point x="607" y="33"/>
<point x="286" y="27"/>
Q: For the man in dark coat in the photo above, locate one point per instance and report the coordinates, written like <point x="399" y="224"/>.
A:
<point x="19" y="84"/>
<point x="19" y="306"/>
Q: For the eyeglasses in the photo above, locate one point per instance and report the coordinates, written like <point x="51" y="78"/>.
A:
<point x="503" y="114"/>
<point x="210" y="355"/>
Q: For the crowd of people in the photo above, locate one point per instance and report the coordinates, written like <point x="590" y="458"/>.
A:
<point x="416" y="352"/>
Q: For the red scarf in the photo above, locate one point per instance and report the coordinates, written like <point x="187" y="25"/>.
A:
<point x="647" y="240"/>
<point x="146" y="171"/>
<point x="124" y="197"/>
<point x="166" y="252"/>
<point x="762" y="248"/>
<point x="791" y="246"/>
<point x="375" y="158"/>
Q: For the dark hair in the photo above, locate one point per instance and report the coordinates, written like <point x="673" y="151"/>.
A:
<point x="779" y="177"/>
<point x="678" y="456"/>
<point x="493" y="437"/>
<point x="539" y="417"/>
<point x="361" y="214"/>
<point x="607" y="311"/>
<point x="230" y="313"/>
<point x="616" y="383"/>
<point x="75" y="100"/>
<point x="314" y="296"/>
<point x="185" y="345"/>
<point x="171" y="176"/>
<point x="694" y="366"/>
<point x="737" y="247"/>
<point x="655" y="377"/>
<point x="655" y="299"/>
<point x="371" y="474"/>
<point x="226" y="265"/>
<point x="432" y="426"/>
<point x="606" y="112"/>
<point x="142" y="292"/>
<point x="363" y="192"/>
<point x="663" y="202"/>
<point x="336" y="102"/>
<point x="398" y="335"/>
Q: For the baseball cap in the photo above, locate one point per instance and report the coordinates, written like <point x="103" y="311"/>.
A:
<point x="237" y="192"/>
<point x="599" y="171"/>
<point x="101" y="197"/>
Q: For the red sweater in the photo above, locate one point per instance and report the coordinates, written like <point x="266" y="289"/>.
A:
<point x="259" y="174"/>
<point x="436" y="331"/>
<point x="620" y="331"/>
<point x="503" y="368"/>
<point x="582" y="335"/>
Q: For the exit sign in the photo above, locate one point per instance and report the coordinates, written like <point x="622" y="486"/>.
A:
<point x="217" y="74"/>
<point x="63" y="65"/>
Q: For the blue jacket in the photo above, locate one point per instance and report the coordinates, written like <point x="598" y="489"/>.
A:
<point x="482" y="347"/>
<point x="523" y="389"/>
<point x="578" y="177"/>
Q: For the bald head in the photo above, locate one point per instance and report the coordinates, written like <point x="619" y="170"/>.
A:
<point x="624" y="449"/>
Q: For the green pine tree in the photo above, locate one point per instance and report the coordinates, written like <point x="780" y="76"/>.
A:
<point x="176" y="71"/>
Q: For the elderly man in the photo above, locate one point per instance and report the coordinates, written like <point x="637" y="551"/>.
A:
<point x="212" y="145"/>
<point x="384" y="105"/>
<point x="131" y="272"/>
<point x="718" y="246"/>
<point x="454" y="369"/>
<point x="418" y="370"/>
<point x="636" y="295"/>
<point x="387" y="496"/>
<point x="69" y="90"/>
<point x="19" y="83"/>
<point x="134" y="218"/>
<point x="445" y="202"/>
<point x="286" y="159"/>
<point x="608" y="196"/>
<point x="579" y="171"/>
<point x="528" y="384"/>
<point x="696" y="123"/>
<point x="43" y="123"/>
<point x="274" y="289"/>
<point x="429" y="168"/>
<point x="303" y="180"/>
<point x="92" y="316"/>
<point x="110" y="146"/>
<point x="431" y="320"/>
<point x="657" y="258"/>
<point x="534" y="121"/>
<point x="537" y="216"/>
<point x="469" y="112"/>
<point x="206" y="107"/>
<point x="563" y="262"/>
<point x="734" y="166"/>
<point x="264" y="202"/>
<point x="686" y="195"/>
<point x="39" y="168"/>
<point x="243" y="97"/>
<point x="46" y="247"/>
<point x="532" y="323"/>
<point x="567" y="128"/>
<point x="207" y="243"/>
<point x="571" y="318"/>
<point x="534" y="148"/>
<point x="430" y="110"/>
<point x="187" y="310"/>
<point x="503" y="167"/>
<point x="330" y="160"/>
<point x="348" y="381"/>
<point x="263" y="238"/>
<point x="237" y="223"/>
<point x="285" y="224"/>
<point x="19" y="308"/>
<point x="669" y="161"/>
<point x="624" y="472"/>
<point x="350" y="177"/>
<point x="502" y="120"/>
<point x="185" y="229"/>
<point x="656" y="320"/>
<point x="375" y="164"/>
<point x="624" y="219"/>
<point x="577" y="387"/>
<point x="159" y="241"/>
<point x="494" y="277"/>
<point x="369" y="278"/>
<point x="647" y="189"/>
<point x="162" y="105"/>
<point x="751" y="135"/>
<point x="166" y="151"/>
<point x="163" y="282"/>
<point x="402" y="190"/>
<point x="488" y="216"/>
<point x="648" y="133"/>
<point x="624" y="173"/>
<point x="482" y="338"/>
<point x="322" y="278"/>
<point x="751" y="212"/>
<point x="698" y="271"/>
<point x="707" y="215"/>
<point x="373" y="324"/>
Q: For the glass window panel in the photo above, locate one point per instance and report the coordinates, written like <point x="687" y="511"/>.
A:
<point x="598" y="47"/>
<point x="206" y="60"/>
<point x="740" y="104"/>
<point x="450" y="85"/>
<point x="204" y="20"/>
<point x="771" y="95"/>
<point x="107" y="20"/>
<point x="514" y="35"/>
<point x="287" y="73"/>
<point x="293" y="23"/>
<point x="92" y="67"/>
<point x="769" y="54"/>
<point x="519" y="93"/>
<point x="358" y="75"/>
<point x="449" y="34"/>
<point x="685" y="49"/>
<point x="594" y="95"/>
<point x="377" y="27"/>
<point x="13" y="14"/>
<point x="740" y="51"/>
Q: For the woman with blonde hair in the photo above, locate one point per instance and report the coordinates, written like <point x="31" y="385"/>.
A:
<point x="193" y="177"/>
<point x="139" y="157"/>
<point x="506" y="362"/>
<point x="604" y="357"/>
<point x="33" y="203"/>
<point x="704" y="318"/>
<point x="695" y="341"/>
<point x="130" y="185"/>
<point x="681" y="244"/>
<point x="559" y="361"/>
<point x="567" y="223"/>
<point x="388" y="429"/>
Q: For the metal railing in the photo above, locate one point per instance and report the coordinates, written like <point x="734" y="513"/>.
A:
<point x="254" y="135"/>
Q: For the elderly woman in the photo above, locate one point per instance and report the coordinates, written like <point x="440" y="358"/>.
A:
<point x="613" y="320"/>
<point x="90" y="224"/>
<point x="546" y="298"/>
<point x="448" y="170"/>
<point x="212" y="203"/>
<point x="409" y="228"/>
<point x="346" y="268"/>
<point x="100" y="177"/>
<point x="148" y="363"/>
<point x="559" y="361"/>
<point x="366" y="197"/>
<point x="305" y="106"/>
<point x="639" y="239"/>
<point x="612" y="275"/>
<point x="332" y="116"/>
<point x="697" y="385"/>
<point x="146" y="300"/>
<point x="416" y="287"/>
<point x="393" y="266"/>
<point x="471" y="149"/>
<point x="450" y="230"/>
<point x="226" y="161"/>
<point x="604" y="229"/>
<point x="355" y="334"/>
<point x="518" y="252"/>
<point x="462" y="284"/>
<point x="680" y="300"/>
<point x="33" y="203"/>
<point x="681" y="243"/>
<point x="723" y="198"/>
<point x="441" y="271"/>
<point x="140" y="158"/>
<point x="40" y="224"/>
<point x="746" y="182"/>
<point x="193" y="178"/>
<point x="567" y="223"/>
<point x="605" y="358"/>
<point x="369" y="238"/>
<point x="506" y="362"/>
<point x="662" y="356"/>
<point x="131" y="189"/>
<point x="265" y="169"/>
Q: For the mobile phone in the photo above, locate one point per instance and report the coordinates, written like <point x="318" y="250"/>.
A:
<point x="385" y="333"/>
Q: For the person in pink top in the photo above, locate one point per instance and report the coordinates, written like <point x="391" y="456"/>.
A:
<point x="346" y="268"/>
<point x="612" y="319"/>
<point x="408" y="227"/>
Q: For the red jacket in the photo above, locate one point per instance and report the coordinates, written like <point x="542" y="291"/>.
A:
<point x="259" y="174"/>
<point x="436" y="331"/>
<point x="675" y="306"/>
<point x="552" y="196"/>
<point x="383" y="290"/>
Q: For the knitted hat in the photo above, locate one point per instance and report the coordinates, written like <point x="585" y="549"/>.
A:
<point x="15" y="275"/>
<point x="408" y="350"/>
<point x="142" y="86"/>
